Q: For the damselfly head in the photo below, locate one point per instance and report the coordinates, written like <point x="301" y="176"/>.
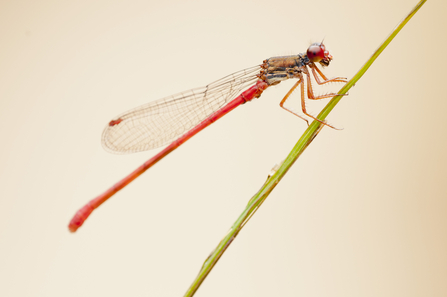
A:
<point x="317" y="53"/>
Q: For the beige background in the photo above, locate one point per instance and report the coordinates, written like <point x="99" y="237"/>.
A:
<point x="362" y="213"/>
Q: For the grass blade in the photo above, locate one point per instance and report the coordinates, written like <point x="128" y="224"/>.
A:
<point x="304" y="141"/>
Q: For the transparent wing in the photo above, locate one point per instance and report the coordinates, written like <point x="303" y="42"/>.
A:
<point x="160" y="122"/>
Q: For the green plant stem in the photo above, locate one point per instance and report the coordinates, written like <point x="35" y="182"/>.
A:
<point x="307" y="137"/>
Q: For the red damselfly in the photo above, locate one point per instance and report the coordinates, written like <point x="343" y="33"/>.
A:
<point x="183" y="115"/>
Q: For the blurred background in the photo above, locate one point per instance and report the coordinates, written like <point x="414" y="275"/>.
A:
<point x="362" y="212"/>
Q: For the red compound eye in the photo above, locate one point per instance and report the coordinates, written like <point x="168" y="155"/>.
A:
<point x="315" y="52"/>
